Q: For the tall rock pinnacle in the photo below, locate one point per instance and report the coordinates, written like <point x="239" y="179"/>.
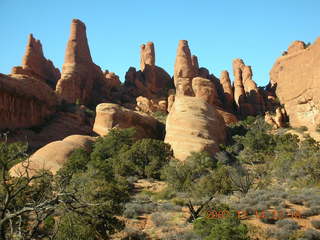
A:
<point x="227" y="89"/>
<point x="81" y="81"/>
<point x="147" y="55"/>
<point x="36" y="65"/>
<point x="183" y="70"/>
<point x="77" y="48"/>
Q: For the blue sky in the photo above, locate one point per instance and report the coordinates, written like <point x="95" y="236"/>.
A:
<point x="218" y="31"/>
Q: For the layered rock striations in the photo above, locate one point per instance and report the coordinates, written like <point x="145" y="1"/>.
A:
<point x="82" y="81"/>
<point x="34" y="64"/>
<point x="193" y="125"/>
<point x="24" y="101"/>
<point x="295" y="78"/>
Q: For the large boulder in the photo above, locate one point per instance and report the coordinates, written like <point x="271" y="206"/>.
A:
<point x="109" y="116"/>
<point x="194" y="125"/>
<point x="34" y="64"/>
<point x="53" y="155"/>
<point x="24" y="101"/>
<point x="296" y="78"/>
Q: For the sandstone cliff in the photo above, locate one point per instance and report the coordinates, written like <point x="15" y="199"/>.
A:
<point x="296" y="77"/>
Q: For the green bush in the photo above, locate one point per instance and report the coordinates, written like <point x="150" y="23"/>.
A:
<point x="224" y="228"/>
<point x="145" y="158"/>
<point x="315" y="224"/>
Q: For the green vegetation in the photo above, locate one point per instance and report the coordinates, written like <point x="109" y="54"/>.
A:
<point x="259" y="169"/>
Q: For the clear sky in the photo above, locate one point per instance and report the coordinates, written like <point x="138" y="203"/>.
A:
<point x="257" y="31"/>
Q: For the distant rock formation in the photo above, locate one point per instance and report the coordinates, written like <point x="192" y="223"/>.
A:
<point x="82" y="81"/>
<point x="150" y="106"/>
<point x="247" y="96"/>
<point x="24" y="101"/>
<point x="112" y="80"/>
<point x="151" y="81"/>
<point x="34" y="64"/>
<point x="109" y="115"/>
<point x="295" y="78"/>
<point x="52" y="156"/>
<point x="193" y="125"/>
<point x="253" y="95"/>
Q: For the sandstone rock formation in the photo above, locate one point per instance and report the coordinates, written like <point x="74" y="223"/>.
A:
<point x="171" y="98"/>
<point x="195" y="64"/>
<point x="296" y="78"/>
<point x="239" y="93"/>
<point x="194" y="125"/>
<point x="81" y="81"/>
<point x="253" y="95"/>
<point x="184" y="70"/>
<point x="276" y="121"/>
<point x="112" y="80"/>
<point x="296" y="46"/>
<point x="151" y="81"/>
<point x="34" y="64"/>
<point x="147" y="55"/>
<point x="53" y="155"/>
<point x="247" y="96"/>
<point x="205" y="89"/>
<point x="109" y="115"/>
<point x="24" y="101"/>
<point x="227" y="90"/>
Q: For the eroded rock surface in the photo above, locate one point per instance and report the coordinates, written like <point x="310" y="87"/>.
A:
<point x="296" y="78"/>
<point x="194" y="125"/>
<point x="109" y="116"/>
<point x="24" y="101"/>
<point x="34" y="64"/>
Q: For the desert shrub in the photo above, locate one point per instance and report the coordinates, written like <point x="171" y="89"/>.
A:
<point x="225" y="158"/>
<point x="133" y="210"/>
<point x="296" y="199"/>
<point x="165" y="194"/>
<point x="168" y="206"/>
<point x="315" y="224"/>
<point x="288" y="224"/>
<point x="145" y="158"/>
<point x="282" y="234"/>
<point x="179" y="201"/>
<point x="160" y="219"/>
<point x="160" y="116"/>
<point x="223" y="228"/>
<point x="134" y="234"/>
<point x="72" y="228"/>
<point x="311" y="234"/>
<point x="268" y="218"/>
<point x="182" y="235"/>
<point x="181" y="175"/>
<point x="302" y="129"/>
<point x="310" y="212"/>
